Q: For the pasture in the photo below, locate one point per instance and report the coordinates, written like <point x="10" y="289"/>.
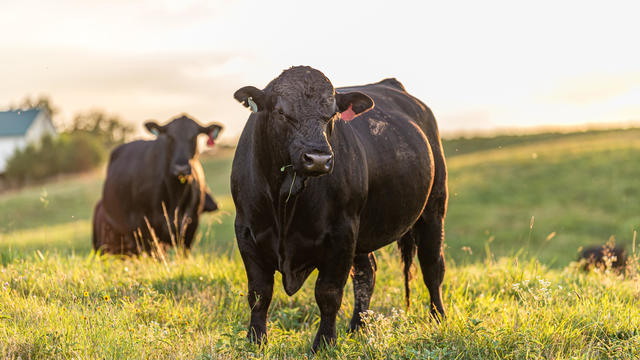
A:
<point x="520" y="208"/>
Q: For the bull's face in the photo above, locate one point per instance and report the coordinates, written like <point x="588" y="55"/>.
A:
<point x="301" y="107"/>
<point x="181" y="143"/>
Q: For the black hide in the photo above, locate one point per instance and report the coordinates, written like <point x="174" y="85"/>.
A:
<point x="161" y="181"/>
<point x="388" y="183"/>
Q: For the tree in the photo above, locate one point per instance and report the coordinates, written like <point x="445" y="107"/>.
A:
<point x="41" y="102"/>
<point x="110" y="128"/>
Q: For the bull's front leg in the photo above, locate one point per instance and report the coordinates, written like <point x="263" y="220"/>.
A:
<point x="260" y="289"/>
<point x="332" y="277"/>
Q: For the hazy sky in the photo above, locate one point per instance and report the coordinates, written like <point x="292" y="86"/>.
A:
<point x="478" y="64"/>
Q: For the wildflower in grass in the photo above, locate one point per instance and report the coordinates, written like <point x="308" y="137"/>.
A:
<point x="106" y="298"/>
<point x="86" y="294"/>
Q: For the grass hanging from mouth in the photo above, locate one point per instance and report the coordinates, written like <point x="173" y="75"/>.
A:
<point x="290" y="189"/>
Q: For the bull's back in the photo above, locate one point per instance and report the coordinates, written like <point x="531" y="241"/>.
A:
<point x="399" y="161"/>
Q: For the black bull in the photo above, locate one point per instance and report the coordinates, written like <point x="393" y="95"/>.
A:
<point x="385" y="181"/>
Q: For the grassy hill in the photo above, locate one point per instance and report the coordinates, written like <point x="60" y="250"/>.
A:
<point x="520" y="208"/>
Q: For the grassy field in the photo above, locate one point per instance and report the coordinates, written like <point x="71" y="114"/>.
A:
<point x="520" y="208"/>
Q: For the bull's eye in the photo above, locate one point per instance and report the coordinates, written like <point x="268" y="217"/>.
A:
<point x="280" y="114"/>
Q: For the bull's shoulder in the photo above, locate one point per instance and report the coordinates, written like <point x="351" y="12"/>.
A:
<point x="393" y="82"/>
<point x="385" y="84"/>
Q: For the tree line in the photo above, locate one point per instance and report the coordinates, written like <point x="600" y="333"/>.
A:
<point x="79" y="146"/>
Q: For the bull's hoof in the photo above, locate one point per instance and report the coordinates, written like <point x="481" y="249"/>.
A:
<point x="355" y="324"/>
<point x="257" y="335"/>
<point x="322" y="341"/>
<point x="438" y="315"/>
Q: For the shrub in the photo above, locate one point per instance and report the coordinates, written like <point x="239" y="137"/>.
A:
<point x="68" y="153"/>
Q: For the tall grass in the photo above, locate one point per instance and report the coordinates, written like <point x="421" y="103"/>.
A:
<point x="512" y="289"/>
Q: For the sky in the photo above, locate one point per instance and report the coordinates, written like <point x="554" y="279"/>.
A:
<point x="480" y="66"/>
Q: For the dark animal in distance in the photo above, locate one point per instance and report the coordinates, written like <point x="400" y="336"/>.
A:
<point x="322" y="177"/>
<point x="154" y="189"/>
<point x="604" y="256"/>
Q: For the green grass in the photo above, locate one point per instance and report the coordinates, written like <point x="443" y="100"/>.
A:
<point x="511" y="290"/>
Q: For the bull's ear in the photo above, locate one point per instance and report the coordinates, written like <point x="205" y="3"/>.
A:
<point x="251" y="97"/>
<point x="353" y="104"/>
<point x="154" y="128"/>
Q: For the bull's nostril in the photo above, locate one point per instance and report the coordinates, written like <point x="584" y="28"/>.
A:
<point x="308" y="160"/>
<point x="329" y="162"/>
<point x="320" y="163"/>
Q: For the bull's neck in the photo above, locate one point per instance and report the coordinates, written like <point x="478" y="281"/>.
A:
<point x="270" y="155"/>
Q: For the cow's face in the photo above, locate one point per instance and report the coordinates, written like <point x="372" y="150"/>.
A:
<point x="181" y="143"/>
<point x="301" y="107"/>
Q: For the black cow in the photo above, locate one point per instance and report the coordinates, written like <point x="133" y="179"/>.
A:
<point x="154" y="189"/>
<point x="604" y="257"/>
<point x="384" y="179"/>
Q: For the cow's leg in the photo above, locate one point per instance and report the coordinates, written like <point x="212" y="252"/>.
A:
<point x="429" y="233"/>
<point x="260" y="289"/>
<point x="363" y="276"/>
<point x="190" y="233"/>
<point x="332" y="277"/>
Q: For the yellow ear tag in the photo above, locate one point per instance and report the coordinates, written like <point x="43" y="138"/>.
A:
<point x="182" y="179"/>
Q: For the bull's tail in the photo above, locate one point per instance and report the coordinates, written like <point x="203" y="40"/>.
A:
<point x="407" y="245"/>
<point x="97" y="213"/>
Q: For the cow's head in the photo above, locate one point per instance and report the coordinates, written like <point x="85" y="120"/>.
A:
<point x="301" y="107"/>
<point x="181" y="143"/>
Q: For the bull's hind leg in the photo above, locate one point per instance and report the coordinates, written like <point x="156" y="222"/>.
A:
<point x="364" y="280"/>
<point x="429" y="236"/>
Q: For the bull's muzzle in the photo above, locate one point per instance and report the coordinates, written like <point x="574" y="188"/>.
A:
<point x="317" y="163"/>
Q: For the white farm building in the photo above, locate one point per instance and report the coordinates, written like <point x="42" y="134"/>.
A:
<point x="19" y="128"/>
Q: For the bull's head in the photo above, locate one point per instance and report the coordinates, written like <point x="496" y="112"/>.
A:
<point x="181" y="141"/>
<point x="301" y="107"/>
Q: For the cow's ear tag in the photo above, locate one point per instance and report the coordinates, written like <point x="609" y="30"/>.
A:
<point x="154" y="131"/>
<point x="348" y="114"/>
<point x="213" y="135"/>
<point x="252" y="104"/>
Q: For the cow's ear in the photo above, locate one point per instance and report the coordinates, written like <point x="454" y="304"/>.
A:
<point x="353" y="104"/>
<point x="209" y="203"/>
<point x="154" y="128"/>
<point x="212" y="130"/>
<point x="251" y="97"/>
